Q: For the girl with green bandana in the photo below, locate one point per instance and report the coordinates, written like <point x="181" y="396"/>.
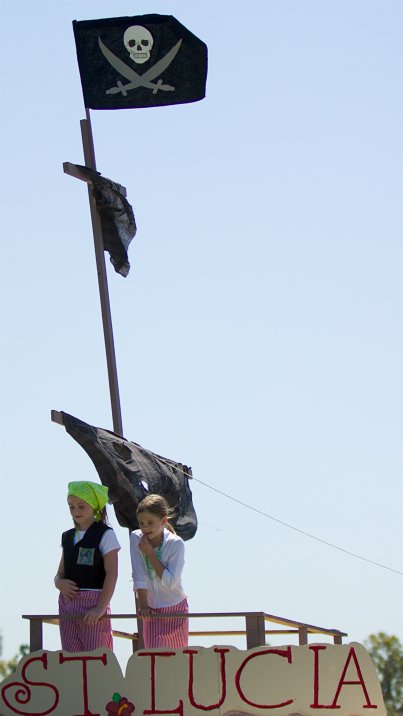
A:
<point x="88" y="570"/>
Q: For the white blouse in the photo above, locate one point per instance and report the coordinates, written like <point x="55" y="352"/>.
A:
<point x="168" y="590"/>
<point x="108" y="542"/>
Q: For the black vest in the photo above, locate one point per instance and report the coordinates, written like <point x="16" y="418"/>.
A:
<point x="83" y="562"/>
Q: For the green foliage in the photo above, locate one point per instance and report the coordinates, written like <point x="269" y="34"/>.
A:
<point x="7" y="667"/>
<point x="387" y="654"/>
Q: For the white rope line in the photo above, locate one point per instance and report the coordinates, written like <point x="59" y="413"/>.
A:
<point x="280" y="522"/>
<point x="296" y="529"/>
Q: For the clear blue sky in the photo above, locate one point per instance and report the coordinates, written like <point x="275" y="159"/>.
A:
<point x="259" y="333"/>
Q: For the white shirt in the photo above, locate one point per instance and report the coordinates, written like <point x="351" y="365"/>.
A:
<point x="108" y="542"/>
<point x="168" y="590"/>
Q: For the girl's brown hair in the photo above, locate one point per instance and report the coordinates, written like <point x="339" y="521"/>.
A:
<point x="157" y="505"/>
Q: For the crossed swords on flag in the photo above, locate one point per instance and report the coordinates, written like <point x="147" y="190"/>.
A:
<point x="136" y="80"/>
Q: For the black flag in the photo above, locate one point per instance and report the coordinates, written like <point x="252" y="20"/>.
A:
<point x="142" y="61"/>
<point x="131" y="473"/>
<point x="117" y="218"/>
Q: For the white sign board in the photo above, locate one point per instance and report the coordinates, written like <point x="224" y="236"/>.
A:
<point x="311" y="680"/>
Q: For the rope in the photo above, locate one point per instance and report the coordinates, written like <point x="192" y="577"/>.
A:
<point x="280" y="522"/>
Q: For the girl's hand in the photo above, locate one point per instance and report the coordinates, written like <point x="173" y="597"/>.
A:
<point x="67" y="587"/>
<point x="145" y="611"/>
<point x="145" y="546"/>
<point x="93" y="616"/>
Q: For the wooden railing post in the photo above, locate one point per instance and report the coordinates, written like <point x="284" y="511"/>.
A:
<point x="139" y="642"/>
<point x="35" y="635"/>
<point x="255" y="630"/>
<point x="302" y="635"/>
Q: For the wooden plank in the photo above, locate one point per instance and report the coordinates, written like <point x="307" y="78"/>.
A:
<point x="73" y="170"/>
<point x="311" y="628"/>
<point x="56" y="417"/>
<point x="89" y="157"/>
<point x="125" y="635"/>
<point x="255" y="621"/>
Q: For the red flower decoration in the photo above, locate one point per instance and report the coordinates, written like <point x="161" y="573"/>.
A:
<point x="121" y="707"/>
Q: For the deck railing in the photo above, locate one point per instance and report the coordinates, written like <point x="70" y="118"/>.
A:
<point x="255" y="627"/>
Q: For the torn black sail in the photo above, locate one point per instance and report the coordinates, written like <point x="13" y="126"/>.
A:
<point x="117" y="218"/>
<point x="131" y="473"/>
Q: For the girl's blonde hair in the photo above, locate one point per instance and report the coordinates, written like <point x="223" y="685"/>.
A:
<point x="157" y="505"/>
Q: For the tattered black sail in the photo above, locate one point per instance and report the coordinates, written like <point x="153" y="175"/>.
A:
<point x="131" y="473"/>
<point x="117" y="218"/>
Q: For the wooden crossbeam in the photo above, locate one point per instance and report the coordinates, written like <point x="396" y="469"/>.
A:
<point x="73" y="170"/>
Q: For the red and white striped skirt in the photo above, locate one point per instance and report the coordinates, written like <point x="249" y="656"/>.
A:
<point x="75" y="634"/>
<point x="170" y="633"/>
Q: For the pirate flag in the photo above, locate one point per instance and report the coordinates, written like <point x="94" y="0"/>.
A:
<point x="117" y="218"/>
<point x="132" y="472"/>
<point x="143" y="61"/>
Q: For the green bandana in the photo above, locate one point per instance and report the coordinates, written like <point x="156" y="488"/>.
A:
<point x="90" y="492"/>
